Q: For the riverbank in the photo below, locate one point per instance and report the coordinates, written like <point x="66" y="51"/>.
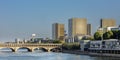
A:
<point x="78" y="52"/>
<point x="104" y="55"/>
<point x="75" y="52"/>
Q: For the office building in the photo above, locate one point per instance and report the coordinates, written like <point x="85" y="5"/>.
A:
<point x="107" y="23"/>
<point x="77" y="26"/>
<point x="89" y="27"/>
<point x="58" y="31"/>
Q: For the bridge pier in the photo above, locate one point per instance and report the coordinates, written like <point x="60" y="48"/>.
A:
<point x="31" y="50"/>
<point x="14" y="49"/>
<point x="48" y="50"/>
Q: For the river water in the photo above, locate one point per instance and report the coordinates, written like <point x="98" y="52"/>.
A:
<point x="39" y="55"/>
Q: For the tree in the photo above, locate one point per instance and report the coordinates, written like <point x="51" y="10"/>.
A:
<point x="57" y="41"/>
<point x="108" y="35"/>
<point x="97" y="36"/>
<point x="87" y="38"/>
<point x="115" y="34"/>
<point x="70" y="46"/>
<point x="119" y="34"/>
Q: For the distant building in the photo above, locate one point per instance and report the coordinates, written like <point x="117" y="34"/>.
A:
<point x="37" y="40"/>
<point x="17" y="40"/>
<point x="84" y="45"/>
<point x="76" y="26"/>
<point x="89" y="29"/>
<point x="78" y="38"/>
<point x="112" y="28"/>
<point x="111" y="46"/>
<point x="107" y="23"/>
<point x="58" y="31"/>
<point x="103" y="30"/>
<point x="25" y="41"/>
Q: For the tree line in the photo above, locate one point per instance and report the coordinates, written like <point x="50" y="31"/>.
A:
<point x="107" y="35"/>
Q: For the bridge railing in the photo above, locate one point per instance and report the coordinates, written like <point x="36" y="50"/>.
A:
<point x="27" y="44"/>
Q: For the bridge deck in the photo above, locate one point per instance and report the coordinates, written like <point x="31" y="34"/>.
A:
<point x="28" y="45"/>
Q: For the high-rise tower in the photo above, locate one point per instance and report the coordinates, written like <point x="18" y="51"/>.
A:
<point x="104" y="23"/>
<point x="89" y="29"/>
<point x="77" y="26"/>
<point x="58" y="31"/>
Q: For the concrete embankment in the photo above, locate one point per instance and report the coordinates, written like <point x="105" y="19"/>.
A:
<point x="104" y="55"/>
<point x="75" y="52"/>
<point x="78" y="52"/>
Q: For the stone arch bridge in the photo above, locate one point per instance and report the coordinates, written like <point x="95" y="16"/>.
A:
<point x="30" y="46"/>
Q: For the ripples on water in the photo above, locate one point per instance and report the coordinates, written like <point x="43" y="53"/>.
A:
<point x="39" y="55"/>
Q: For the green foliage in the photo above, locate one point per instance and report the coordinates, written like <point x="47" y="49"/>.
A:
<point x="88" y="38"/>
<point x="57" y="41"/>
<point x="97" y="36"/>
<point x="71" y="46"/>
<point x="115" y="34"/>
<point x="119" y="34"/>
<point x="108" y="35"/>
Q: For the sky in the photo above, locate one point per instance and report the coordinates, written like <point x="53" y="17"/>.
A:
<point x="22" y="18"/>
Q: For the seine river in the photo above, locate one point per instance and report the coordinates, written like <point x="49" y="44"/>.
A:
<point x="39" y="55"/>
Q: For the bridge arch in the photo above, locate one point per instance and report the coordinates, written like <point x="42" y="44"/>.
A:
<point x="52" y="49"/>
<point x="28" y="49"/>
<point x="56" y="49"/>
<point x="9" y="48"/>
<point x="40" y="48"/>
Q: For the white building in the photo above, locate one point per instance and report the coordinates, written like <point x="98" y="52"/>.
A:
<point x="111" y="44"/>
<point x="112" y="28"/>
<point x="84" y="45"/>
<point x="17" y="40"/>
<point x="95" y="45"/>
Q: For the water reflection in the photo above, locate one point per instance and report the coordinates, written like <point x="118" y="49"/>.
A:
<point x="106" y="58"/>
<point x="23" y="54"/>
